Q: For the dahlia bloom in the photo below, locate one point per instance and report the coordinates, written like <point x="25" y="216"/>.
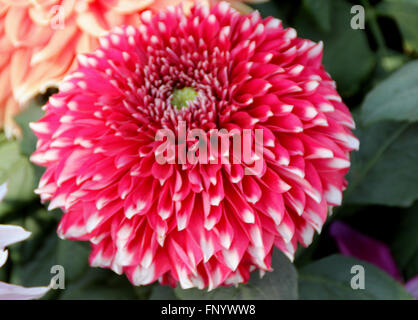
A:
<point x="202" y="225"/>
<point x="10" y="235"/>
<point x="39" y="41"/>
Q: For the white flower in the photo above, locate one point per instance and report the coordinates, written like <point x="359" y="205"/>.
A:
<point x="9" y="235"/>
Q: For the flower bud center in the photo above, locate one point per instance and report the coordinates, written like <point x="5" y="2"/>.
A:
<point x="181" y="97"/>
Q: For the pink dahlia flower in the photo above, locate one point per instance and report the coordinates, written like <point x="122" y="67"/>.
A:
<point x="10" y="235"/>
<point x="201" y="224"/>
<point x="39" y="41"/>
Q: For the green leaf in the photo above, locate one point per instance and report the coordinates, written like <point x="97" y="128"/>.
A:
<point x="405" y="13"/>
<point x="3" y="274"/>
<point x="392" y="60"/>
<point x="405" y="245"/>
<point x="37" y="271"/>
<point x="320" y="11"/>
<point x="388" y="61"/>
<point x="74" y="257"/>
<point x="99" y="284"/>
<point x="160" y="292"/>
<point x="34" y="269"/>
<point x="281" y="284"/>
<point x="385" y="170"/>
<point x="330" y="279"/>
<point x="19" y="174"/>
<point x="396" y="98"/>
<point x="347" y="55"/>
<point x="304" y="255"/>
<point x="81" y="281"/>
<point x="272" y="8"/>
<point x="40" y="223"/>
<point x="32" y="113"/>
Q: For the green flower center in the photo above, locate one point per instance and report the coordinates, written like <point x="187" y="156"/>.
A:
<point x="182" y="96"/>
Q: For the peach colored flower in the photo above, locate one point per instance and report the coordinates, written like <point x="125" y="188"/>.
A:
<point x="39" y="40"/>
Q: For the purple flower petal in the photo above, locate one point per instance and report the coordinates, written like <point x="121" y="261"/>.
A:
<point x="412" y="287"/>
<point x="355" y="244"/>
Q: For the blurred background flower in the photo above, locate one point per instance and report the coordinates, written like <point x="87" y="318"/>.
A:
<point x="39" y="41"/>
